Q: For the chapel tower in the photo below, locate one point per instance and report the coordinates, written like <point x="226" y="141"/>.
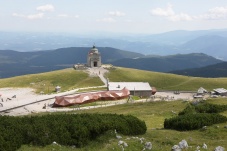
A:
<point x="94" y="58"/>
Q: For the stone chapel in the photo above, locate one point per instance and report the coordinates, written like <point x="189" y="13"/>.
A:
<point x="94" y="58"/>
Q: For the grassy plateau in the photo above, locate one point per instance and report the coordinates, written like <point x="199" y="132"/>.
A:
<point x="67" y="79"/>
<point x="153" y="113"/>
<point x="164" y="81"/>
<point x="70" y="79"/>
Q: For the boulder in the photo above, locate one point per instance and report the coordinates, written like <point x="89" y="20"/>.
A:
<point x="204" y="146"/>
<point x="176" y="148"/>
<point x="204" y="127"/>
<point x="148" y="145"/>
<point x="219" y="148"/>
<point x="141" y="140"/>
<point x="125" y="144"/>
<point x="120" y="142"/>
<point x="55" y="143"/>
<point x="183" y="144"/>
<point x="118" y="137"/>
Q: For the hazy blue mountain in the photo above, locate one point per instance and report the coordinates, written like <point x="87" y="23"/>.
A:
<point x="212" y="45"/>
<point x="168" y="63"/>
<point x="216" y="70"/>
<point x="149" y="44"/>
<point x="179" y="37"/>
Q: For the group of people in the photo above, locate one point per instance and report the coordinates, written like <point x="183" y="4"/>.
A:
<point x="8" y="98"/>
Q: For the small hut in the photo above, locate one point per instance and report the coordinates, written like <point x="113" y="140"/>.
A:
<point x="220" y="91"/>
<point x="201" y="91"/>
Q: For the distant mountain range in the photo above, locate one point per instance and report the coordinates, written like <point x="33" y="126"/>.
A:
<point x="38" y="52"/>
<point x="211" y="42"/>
<point x="14" y="63"/>
<point x="216" y="70"/>
<point x="167" y="63"/>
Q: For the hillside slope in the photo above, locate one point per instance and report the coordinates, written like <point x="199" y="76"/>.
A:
<point x="166" y="81"/>
<point x="67" y="78"/>
<point x="13" y="63"/>
<point x="168" y="63"/>
<point x="216" y="70"/>
<point x="70" y="78"/>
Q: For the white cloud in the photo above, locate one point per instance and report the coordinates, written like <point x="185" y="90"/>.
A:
<point x="116" y="13"/>
<point x="68" y="16"/>
<point x="18" y="15"/>
<point x="163" y="12"/>
<point x="170" y="14"/>
<point x="108" y="20"/>
<point x="36" y="16"/>
<point x="217" y="13"/>
<point x="31" y="16"/>
<point x="218" y="10"/>
<point x="180" y="17"/>
<point x="47" y="7"/>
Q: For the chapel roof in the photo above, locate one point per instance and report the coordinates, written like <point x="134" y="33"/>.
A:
<point x="94" y="49"/>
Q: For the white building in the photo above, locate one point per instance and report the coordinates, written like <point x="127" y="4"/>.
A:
<point x="94" y="58"/>
<point x="220" y="91"/>
<point x="201" y="91"/>
<point x="136" y="88"/>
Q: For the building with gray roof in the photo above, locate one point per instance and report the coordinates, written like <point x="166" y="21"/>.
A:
<point x="220" y="91"/>
<point x="136" y="88"/>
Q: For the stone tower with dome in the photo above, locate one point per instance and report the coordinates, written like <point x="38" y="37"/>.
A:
<point x="94" y="58"/>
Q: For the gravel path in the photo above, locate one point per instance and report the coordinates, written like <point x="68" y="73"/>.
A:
<point x="100" y="72"/>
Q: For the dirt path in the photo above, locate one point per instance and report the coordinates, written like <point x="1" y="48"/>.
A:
<point x="100" y="72"/>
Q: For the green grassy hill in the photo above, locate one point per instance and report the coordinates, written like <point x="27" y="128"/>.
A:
<point x="70" y="78"/>
<point x="163" y="81"/>
<point x="67" y="79"/>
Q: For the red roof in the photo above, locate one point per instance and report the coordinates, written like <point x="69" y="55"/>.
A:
<point x="91" y="97"/>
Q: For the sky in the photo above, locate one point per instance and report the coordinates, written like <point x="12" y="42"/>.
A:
<point x="115" y="16"/>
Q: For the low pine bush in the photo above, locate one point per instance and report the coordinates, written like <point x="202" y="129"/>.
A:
<point x="210" y="108"/>
<point x="193" y="121"/>
<point x="65" y="129"/>
<point x="190" y="109"/>
<point x="195" y="116"/>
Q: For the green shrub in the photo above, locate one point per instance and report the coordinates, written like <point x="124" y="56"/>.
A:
<point x="65" y="129"/>
<point x="190" y="109"/>
<point x="193" y="121"/>
<point x="195" y="116"/>
<point x="210" y="108"/>
<point x="203" y="107"/>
